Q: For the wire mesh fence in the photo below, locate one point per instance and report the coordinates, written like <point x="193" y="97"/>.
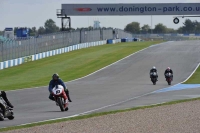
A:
<point x="121" y="34"/>
<point x="20" y="47"/>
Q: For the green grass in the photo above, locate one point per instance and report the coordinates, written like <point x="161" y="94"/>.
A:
<point x="69" y="66"/>
<point x="95" y="115"/>
<point x="195" y="79"/>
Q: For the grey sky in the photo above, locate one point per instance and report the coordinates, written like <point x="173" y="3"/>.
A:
<point x="29" y="13"/>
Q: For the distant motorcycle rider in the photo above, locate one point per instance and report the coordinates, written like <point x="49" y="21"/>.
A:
<point x="4" y="96"/>
<point x="57" y="81"/>
<point x="168" y="70"/>
<point x="153" y="70"/>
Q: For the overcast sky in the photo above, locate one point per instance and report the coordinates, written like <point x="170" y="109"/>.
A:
<point x="29" y="13"/>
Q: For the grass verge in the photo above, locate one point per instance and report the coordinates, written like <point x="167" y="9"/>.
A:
<point x="70" y="65"/>
<point x="195" y="78"/>
<point x="96" y="115"/>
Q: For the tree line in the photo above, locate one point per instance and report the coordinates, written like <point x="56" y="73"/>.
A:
<point x="49" y="27"/>
<point x="189" y="27"/>
<point x="133" y="27"/>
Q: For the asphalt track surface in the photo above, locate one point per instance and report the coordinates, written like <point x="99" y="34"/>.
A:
<point x="126" y="82"/>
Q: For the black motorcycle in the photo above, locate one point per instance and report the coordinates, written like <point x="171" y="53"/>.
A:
<point x="153" y="77"/>
<point x="5" y="110"/>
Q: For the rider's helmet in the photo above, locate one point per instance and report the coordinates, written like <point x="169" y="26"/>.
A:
<point x="55" y="76"/>
<point x="168" y="68"/>
<point x="154" y="68"/>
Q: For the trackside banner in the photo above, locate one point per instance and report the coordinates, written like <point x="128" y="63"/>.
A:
<point x="132" y="9"/>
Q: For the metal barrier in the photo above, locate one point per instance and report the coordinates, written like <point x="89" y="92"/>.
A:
<point x="167" y="37"/>
<point x="21" y="47"/>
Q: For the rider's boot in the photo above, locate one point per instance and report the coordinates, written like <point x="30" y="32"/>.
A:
<point x="67" y="93"/>
<point x="9" y="104"/>
<point x="3" y="93"/>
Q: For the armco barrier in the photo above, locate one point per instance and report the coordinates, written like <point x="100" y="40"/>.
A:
<point x="18" y="61"/>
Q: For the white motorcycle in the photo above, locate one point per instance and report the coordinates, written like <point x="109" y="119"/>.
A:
<point x="60" y="97"/>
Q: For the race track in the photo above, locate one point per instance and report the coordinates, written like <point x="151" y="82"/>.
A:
<point x="129" y="78"/>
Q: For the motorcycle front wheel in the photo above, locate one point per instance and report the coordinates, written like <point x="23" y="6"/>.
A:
<point x="66" y="109"/>
<point x="153" y="81"/>
<point x="169" y="82"/>
<point x="11" y="117"/>
<point x="60" y="103"/>
<point x="1" y="115"/>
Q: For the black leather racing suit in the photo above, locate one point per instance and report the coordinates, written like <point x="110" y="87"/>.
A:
<point x="4" y="96"/>
<point x="169" y="71"/>
<point x="153" y="70"/>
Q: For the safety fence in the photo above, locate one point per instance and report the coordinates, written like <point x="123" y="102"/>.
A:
<point x="21" y="60"/>
<point x="20" y="47"/>
<point x="167" y="37"/>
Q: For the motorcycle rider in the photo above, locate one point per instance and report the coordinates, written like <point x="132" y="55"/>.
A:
<point x="4" y="96"/>
<point x="153" y="70"/>
<point x="168" y="70"/>
<point x="57" y="81"/>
